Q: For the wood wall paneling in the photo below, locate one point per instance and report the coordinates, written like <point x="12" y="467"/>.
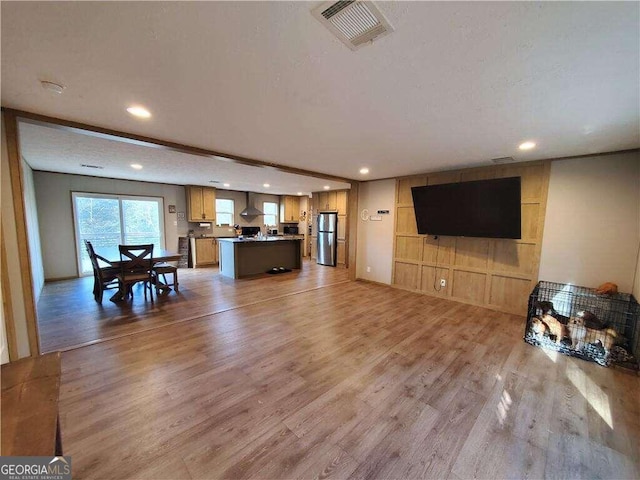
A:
<point x="406" y="275"/>
<point x="494" y="273"/>
<point x="472" y="252"/>
<point x="531" y="222"/>
<point x="512" y="256"/>
<point x="439" y="251"/>
<point x="508" y="292"/>
<point x="403" y="191"/>
<point x="408" y="248"/>
<point x="531" y="180"/>
<point x="469" y="286"/>
<point x="406" y="221"/>
<point x="443" y="177"/>
<point x="486" y="173"/>
<point x="431" y="276"/>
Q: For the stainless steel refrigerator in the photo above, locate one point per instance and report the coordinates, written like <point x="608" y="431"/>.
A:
<point x="327" y="238"/>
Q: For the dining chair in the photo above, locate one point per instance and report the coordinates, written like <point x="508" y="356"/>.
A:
<point x="136" y="265"/>
<point x="164" y="269"/>
<point x="104" y="278"/>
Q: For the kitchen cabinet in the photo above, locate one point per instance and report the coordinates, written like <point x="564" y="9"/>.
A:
<point x="314" y="248"/>
<point x="327" y="201"/>
<point x="201" y="204"/>
<point x="342" y="197"/>
<point x="204" y="251"/>
<point x="289" y="209"/>
<point x="342" y="227"/>
<point x="341" y="252"/>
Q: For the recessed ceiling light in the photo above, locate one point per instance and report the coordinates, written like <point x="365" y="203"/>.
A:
<point x="52" y="87"/>
<point x="139" y="112"/>
<point x="299" y="193"/>
<point x="266" y="185"/>
<point x="326" y="187"/>
<point x="137" y="166"/>
<point x="527" y="146"/>
<point x="364" y="170"/>
<point x="226" y="185"/>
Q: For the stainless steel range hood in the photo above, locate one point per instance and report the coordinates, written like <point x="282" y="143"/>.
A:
<point x="250" y="211"/>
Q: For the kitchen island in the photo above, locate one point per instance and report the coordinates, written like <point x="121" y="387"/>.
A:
<point x="244" y="257"/>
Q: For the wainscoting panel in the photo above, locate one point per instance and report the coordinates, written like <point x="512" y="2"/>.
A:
<point x="469" y="285"/>
<point x="406" y="220"/>
<point x="494" y="273"/>
<point x="409" y="248"/>
<point x="403" y="192"/>
<point x="431" y="277"/>
<point x="406" y="275"/>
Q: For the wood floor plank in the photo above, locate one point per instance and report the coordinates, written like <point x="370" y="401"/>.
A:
<point x="277" y="385"/>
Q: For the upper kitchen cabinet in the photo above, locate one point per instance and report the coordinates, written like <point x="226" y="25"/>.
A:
<point x="335" y="201"/>
<point x="327" y="201"/>
<point x="341" y="202"/>
<point x="201" y="204"/>
<point x="289" y="209"/>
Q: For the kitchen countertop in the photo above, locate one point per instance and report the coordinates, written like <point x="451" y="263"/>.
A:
<point x="267" y="239"/>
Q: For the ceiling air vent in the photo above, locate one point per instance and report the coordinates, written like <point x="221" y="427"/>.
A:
<point x="355" y="23"/>
<point x="86" y="165"/>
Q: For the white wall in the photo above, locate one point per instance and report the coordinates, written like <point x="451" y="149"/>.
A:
<point x="55" y="214"/>
<point x="592" y="224"/>
<point x="33" y="231"/>
<point x="10" y="239"/>
<point x="375" y="238"/>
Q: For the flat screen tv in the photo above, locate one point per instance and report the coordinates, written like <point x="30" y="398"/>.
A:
<point x="483" y="208"/>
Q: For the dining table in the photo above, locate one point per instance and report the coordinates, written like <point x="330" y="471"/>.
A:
<point x="112" y="255"/>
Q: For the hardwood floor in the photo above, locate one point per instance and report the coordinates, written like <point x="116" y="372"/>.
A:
<point x="68" y="316"/>
<point x="349" y="380"/>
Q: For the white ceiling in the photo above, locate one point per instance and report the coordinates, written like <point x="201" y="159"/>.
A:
<point x="456" y="84"/>
<point x="52" y="149"/>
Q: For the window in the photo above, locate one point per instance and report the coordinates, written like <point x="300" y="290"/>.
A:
<point x="109" y="220"/>
<point x="270" y="210"/>
<point x="224" y="211"/>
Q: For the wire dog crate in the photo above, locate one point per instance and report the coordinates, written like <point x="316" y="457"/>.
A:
<point x="579" y="322"/>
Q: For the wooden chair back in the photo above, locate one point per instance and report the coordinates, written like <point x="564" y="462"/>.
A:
<point x="136" y="258"/>
<point x="103" y="277"/>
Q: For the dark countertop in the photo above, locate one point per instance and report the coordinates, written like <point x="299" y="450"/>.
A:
<point x="288" y="238"/>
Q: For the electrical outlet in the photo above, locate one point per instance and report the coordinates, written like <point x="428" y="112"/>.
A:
<point x="368" y="269"/>
<point x="443" y="282"/>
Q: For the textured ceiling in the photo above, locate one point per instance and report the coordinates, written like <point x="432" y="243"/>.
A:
<point x="456" y="84"/>
<point x="52" y="149"/>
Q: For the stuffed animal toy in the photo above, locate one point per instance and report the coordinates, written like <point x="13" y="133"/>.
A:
<point x="607" y="289"/>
